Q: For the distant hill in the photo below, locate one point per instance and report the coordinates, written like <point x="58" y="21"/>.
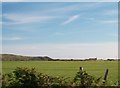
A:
<point x="12" y="57"/>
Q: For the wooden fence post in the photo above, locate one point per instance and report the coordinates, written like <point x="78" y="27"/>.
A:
<point x="81" y="68"/>
<point x="105" y="76"/>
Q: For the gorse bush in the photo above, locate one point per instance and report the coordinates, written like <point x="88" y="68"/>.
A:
<point x="29" y="78"/>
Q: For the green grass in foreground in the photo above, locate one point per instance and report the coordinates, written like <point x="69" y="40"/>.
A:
<point x="67" y="68"/>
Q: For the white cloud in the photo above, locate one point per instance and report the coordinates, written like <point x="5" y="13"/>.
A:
<point x="11" y="38"/>
<point x="0" y="15"/>
<point x="63" y="10"/>
<point x="109" y="21"/>
<point x="12" y="0"/>
<point x="59" y="33"/>
<point x="0" y="38"/>
<point x="103" y="21"/>
<point x="112" y="12"/>
<point x="22" y="18"/>
<point x="62" y="0"/>
<point x="113" y="35"/>
<point x="71" y="19"/>
<point x="86" y="50"/>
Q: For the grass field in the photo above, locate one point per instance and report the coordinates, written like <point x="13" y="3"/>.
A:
<point x="67" y="68"/>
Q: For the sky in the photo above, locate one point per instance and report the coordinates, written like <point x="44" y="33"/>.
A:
<point x="60" y="0"/>
<point x="60" y="29"/>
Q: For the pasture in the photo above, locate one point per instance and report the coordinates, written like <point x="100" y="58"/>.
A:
<point x="67" y="68"/>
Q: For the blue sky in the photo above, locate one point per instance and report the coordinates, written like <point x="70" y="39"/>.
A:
<point x="60" y="1"/>
<point x="49" y="25"/>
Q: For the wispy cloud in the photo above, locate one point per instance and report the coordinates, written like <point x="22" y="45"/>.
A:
<point x="22" y="18"/>
<point x="113" y="34"/>
<point x="0" y="15"/>
<point x="103" y="21"/>
<point x="109" y="21"/>
<point x="59" y="33"/>
<point x="71" y="19"/>
<point x="62" y="9"/>
<point x="12" y="0"/>
<point x="11" y="38"/>
<point x="112" y="12"/>
<point x="60" y="0"/>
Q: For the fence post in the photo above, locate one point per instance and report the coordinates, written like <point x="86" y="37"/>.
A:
<point x="105" y="76"/>
<point x="81" y="76"/>
<point x="81" y="68"/>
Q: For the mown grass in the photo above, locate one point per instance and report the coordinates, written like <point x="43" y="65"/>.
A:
<point x="67" y="68"/>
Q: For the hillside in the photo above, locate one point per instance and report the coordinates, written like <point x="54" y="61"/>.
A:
<point x="12" y="57"/>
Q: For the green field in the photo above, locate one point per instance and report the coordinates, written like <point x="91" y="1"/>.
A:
<point x="67" y="68"/>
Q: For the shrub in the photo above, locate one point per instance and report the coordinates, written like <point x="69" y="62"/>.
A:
<point x="29" y="78"/>
<point x="84" y="80"/>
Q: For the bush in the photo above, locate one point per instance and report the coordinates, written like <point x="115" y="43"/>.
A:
<point x="29" y="78"/>
<point x="84" y="80"/>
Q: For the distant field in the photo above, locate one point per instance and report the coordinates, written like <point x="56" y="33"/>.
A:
<point x="67" y="68"/>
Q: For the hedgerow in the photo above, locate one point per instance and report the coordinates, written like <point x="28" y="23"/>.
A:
<point x="29" y="78"/>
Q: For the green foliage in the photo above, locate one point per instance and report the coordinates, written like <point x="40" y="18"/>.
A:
<point x="29" y="78"/>
<point x="85" y="80"/>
